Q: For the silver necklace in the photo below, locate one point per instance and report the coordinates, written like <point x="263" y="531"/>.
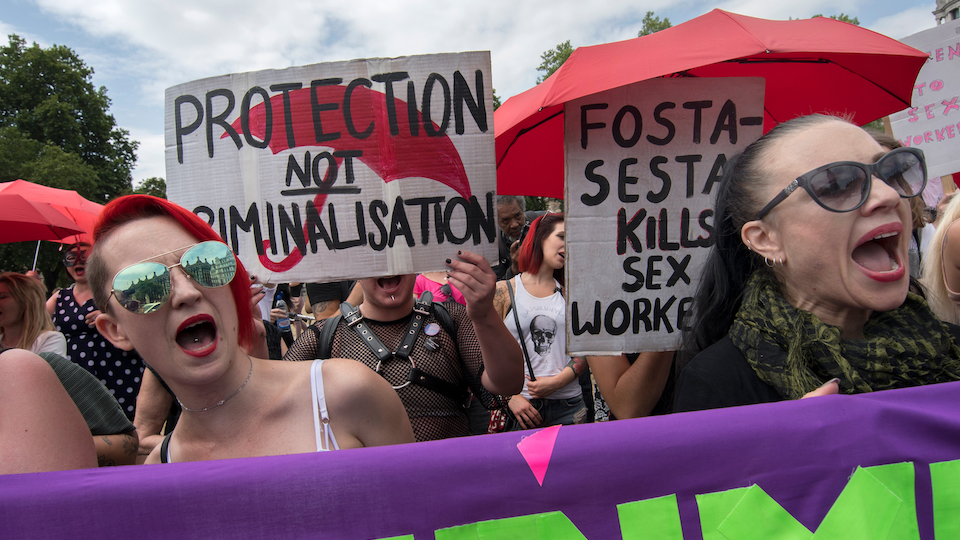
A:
<point x="224" y="400"/>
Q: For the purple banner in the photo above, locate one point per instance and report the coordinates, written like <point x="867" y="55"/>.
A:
<point x="800" y="453"/>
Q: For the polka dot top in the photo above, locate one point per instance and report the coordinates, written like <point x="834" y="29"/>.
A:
<point x="120" y="371"/>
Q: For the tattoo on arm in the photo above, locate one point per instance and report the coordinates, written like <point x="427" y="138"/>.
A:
<point x="102" y="460"/>
<point x="320" y="307"/>
<point x="579" y="364"/>
<point x="129" y="446"/>
<point x="501" y="301"/>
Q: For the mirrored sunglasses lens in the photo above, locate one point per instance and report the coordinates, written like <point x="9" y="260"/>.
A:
<point x="211" y="264"/>
<point x="840" y="187"/>
<point x="143" y="287"/>
<point x="903" y="172"/>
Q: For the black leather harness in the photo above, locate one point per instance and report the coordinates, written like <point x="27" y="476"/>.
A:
<point x="422" y="309"/>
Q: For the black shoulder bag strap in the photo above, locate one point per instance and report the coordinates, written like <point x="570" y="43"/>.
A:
<point x="325" y="336"/>
<point x="421" y="310"/>
<point x="516" y="317"/>
<point x="165" y="448"/>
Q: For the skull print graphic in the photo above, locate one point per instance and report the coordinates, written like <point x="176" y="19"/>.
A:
<point x="543" y="329"/>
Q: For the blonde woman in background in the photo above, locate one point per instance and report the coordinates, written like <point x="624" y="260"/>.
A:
<point x="941" y="266"/>
<point x="24" y="323"/>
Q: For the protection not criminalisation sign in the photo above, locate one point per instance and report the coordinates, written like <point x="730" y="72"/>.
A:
<point x="643" y="164"/>
<point x="340" y="170"/>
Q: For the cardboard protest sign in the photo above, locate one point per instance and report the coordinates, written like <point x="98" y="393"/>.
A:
<point x="933" y="121"/>
<point x="643" y="163"/>
<point x="340" y="170"/>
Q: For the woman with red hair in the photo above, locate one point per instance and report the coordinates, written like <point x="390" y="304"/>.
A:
<point x="170" y="288"/>
<point x="533" y="309"/>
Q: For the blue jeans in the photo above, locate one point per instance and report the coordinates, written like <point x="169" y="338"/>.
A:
<point x="555" y="412"/>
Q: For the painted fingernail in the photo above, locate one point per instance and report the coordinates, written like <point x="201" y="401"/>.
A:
<point x="448" y="261"/>
<point x="459" y="253"/>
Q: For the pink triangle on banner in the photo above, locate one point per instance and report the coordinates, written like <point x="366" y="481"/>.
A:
<point x="537" y="450"/>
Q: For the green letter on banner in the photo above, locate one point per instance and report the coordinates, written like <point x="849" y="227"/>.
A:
<point x="551" y="525"/>
<point x="653" y="518"/>
<point x="945" y="477"/>
<point x="747" y="514"/>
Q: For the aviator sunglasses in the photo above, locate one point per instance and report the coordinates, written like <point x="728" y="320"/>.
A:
<point x="844" y="186"/>
<point x="144" y="287"/>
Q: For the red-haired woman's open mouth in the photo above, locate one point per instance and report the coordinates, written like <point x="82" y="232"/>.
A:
<point x="197" y="335"/>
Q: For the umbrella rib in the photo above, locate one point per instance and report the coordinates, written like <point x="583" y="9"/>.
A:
<point x="816" y="61"/>
<point x="780" y="61"/>
<point x="800" y="61"/>
<point x="525" y="130"/>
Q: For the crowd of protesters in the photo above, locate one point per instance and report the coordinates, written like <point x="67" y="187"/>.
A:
<point x="803" y="294"/>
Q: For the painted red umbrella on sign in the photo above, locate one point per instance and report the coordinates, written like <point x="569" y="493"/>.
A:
<point x="809" y="65"/>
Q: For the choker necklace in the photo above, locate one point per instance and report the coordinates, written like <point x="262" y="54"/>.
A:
<point x="224" y="400"/>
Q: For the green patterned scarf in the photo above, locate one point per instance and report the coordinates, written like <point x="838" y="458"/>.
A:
<point x="907" y="346"/>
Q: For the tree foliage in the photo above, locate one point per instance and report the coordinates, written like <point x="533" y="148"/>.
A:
<point x="47" y="95"/>
<point x="552" y="59"/>
<point x="154" y="185"/>
<point x="841" y="17"/>
<point x="55" y="130"/>
<point x="653" y="24"/>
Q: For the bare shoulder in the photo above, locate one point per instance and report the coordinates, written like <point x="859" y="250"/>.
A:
<point x="501" y="299"/>
<point x="355" y="389"/>
<point x="20" y="367"/>
<point x="364" y="409"/>
<point x="154" y="457"/>
<point x="953" y="232"/>
<point x="349" y="378"/>
<point x="951" y="253"/>
<point x="52" y="302"/>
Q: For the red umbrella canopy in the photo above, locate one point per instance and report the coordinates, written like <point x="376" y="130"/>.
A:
<point x="809" y="65"/>
<point x="82" y="212"/>
<point x="22" y="219"/>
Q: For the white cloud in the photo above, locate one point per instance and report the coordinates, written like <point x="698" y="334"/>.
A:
<point x="799" y="9"/>
<point x="905" y="23"/>
<point x="150" y="155"/>
<point x="161" y="44"/>
<point x="7" y="29"/>
<point x="190" y="39"/>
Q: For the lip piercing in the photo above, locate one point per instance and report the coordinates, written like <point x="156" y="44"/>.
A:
<point x="392" y="298"/>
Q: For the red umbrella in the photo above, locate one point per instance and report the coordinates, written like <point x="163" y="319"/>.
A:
<point x="22" y="220"/>
<point x="81" y="211"/>
<point x="810" y="65"/>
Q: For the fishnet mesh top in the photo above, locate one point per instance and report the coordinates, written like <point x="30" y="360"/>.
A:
<point x="432" y="415"/>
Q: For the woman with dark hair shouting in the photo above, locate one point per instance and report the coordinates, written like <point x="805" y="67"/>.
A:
<point x="805" y="291"/>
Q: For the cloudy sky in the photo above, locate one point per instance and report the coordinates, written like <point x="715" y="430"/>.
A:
<point x="140" y="47"/>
